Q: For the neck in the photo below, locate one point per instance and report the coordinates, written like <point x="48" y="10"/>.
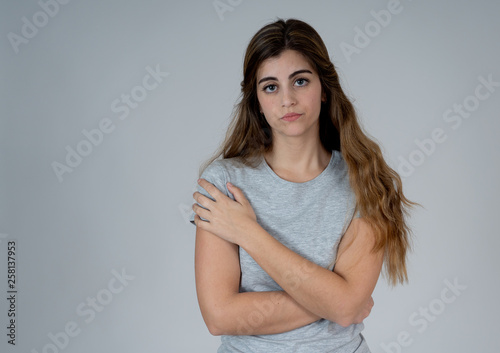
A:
<point x="297" y="158"/>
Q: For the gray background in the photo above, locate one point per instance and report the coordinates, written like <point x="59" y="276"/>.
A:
<point x="125" y="206"/>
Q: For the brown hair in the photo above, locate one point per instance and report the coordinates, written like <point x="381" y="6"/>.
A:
<point x="377" y="187"/>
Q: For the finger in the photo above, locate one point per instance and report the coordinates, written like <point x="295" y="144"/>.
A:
<point x="211" y="189"/>
<point x="238" y="194"/>
<point x="199" y="222"/>
<point x="200" y="211"/>
<point x="202" y="200"/>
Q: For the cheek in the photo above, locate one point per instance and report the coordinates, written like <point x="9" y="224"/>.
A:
<point x="260" y="100"/>
<point x="264" y="102"/>
<point x="314" y="103"/>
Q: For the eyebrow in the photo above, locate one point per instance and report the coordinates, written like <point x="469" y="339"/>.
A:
<point x="269" y="78"/>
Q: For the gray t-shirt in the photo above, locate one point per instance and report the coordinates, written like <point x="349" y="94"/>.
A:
<point x="309" y="218"/>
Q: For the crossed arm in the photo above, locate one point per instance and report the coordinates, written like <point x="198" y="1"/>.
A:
<point x="310" y="292"/>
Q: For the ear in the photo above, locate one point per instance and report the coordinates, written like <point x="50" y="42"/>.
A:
<point x="323" y="97"/>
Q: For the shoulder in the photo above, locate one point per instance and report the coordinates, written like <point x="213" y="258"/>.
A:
<point x="343" y="183"/>
<point x="339" y="169"/>
<point x="215" y="173"/>
<point x="234" y="167"/>
<point x="339" y="162"/>
<point x="222" y="167"/>
<point x="223" y="170"/>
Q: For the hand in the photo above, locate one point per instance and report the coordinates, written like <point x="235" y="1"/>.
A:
<point x="226" y="218"/>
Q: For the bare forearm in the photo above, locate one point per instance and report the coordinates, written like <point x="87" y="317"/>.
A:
<point x="261" y="313"/>
<point x="318" y="290"/>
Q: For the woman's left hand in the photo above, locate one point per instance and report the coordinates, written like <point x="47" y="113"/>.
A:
<point x="226" y="218"/>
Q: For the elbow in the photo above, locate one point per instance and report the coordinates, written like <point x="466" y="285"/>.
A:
<point x="214" y="330"/>
<point x="218" y="315"/>
<point x="345" y="321"/>
<point x="214" y="320"/>
<point x="349" y="314"/>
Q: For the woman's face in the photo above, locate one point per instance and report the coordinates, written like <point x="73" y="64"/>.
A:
<point x="290" y="95"/>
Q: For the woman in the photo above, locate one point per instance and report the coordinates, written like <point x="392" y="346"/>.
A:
<point x="297" y="176"/>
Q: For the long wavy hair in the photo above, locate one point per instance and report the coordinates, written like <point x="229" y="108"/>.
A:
<point x="377" y="187"/>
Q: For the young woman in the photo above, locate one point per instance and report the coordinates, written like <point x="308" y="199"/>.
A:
<point x="297" y="176"/>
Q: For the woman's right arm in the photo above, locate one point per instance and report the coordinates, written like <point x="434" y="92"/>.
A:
<point x="225" y="310"/>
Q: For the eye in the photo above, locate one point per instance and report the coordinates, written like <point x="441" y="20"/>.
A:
<point x="269" y="88"/>
<point x="301" y="82"/>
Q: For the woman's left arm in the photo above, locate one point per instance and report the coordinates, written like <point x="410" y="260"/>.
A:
<point x="340" y="296"/>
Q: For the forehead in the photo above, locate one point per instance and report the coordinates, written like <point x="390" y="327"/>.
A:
<point x="283" y="65"/>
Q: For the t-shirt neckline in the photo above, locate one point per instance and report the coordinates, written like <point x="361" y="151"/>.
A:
<point x="309" y="182"/>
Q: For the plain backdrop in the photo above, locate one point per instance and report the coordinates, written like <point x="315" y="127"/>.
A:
<point x="108" y="108"/>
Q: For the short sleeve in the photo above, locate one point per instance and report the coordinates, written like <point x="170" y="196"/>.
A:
<point x="216" y="175"/>
<point x="354" y="209"/>
<point x="357" y="214"/>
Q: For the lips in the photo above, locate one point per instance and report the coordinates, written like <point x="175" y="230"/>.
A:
<point x="291" y="116"/>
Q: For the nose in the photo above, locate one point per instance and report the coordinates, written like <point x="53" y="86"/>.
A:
<point x="288" y="98"/>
